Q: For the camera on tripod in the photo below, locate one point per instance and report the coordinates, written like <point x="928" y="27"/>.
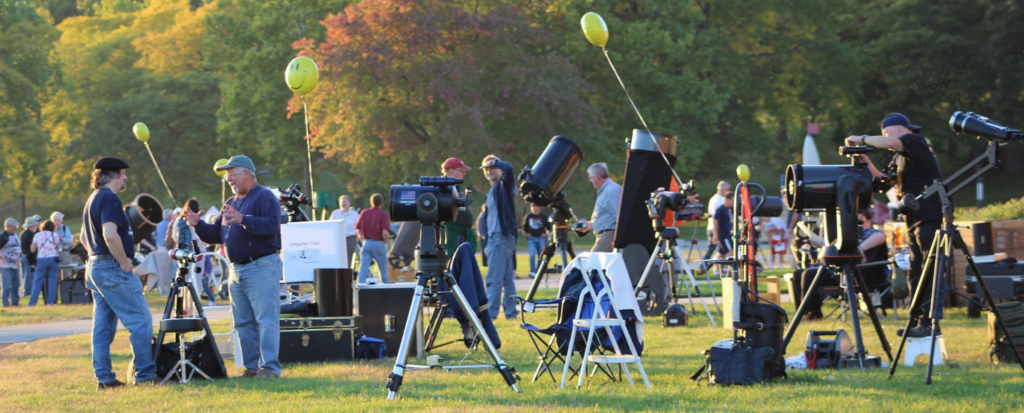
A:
<point x="433" y="201"/>
<point x="292" y="200"/>
<point x="662" y="201"/>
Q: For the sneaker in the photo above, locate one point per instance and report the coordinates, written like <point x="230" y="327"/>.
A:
<point x="266" y="374"/>
<point x="916" y="332"/>
<point x="533" y="275"/>
<point x="111" y="385"/>
<point x="211" y="303"/>
<point x="248" y="374"/>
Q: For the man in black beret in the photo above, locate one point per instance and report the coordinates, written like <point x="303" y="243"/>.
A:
<point x="916" y="169"/>
<point x="116" y="291"/>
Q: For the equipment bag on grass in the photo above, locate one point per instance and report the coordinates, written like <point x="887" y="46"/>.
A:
<point x="737" y="365"/>
<point x="1000" y="350"/>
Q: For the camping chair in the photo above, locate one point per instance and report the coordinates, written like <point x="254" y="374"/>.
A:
<point x="551" y="343"/>
<point x="598" y="316"/>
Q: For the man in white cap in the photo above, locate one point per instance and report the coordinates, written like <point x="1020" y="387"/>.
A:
<point x="10" y="258"/>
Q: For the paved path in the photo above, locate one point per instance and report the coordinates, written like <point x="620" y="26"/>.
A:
<point x="31" y="332"/>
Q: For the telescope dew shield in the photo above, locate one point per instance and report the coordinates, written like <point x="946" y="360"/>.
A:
<point x="144" y="214"/>
<point x="542" y="183"/>
<point x="772" y="206"/>
<point x="641" y="141"/>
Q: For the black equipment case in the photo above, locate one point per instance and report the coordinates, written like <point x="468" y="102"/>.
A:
<point x="316" y="339"/>
<point x="1005" y="279"/>
<point x="385" y="310"/>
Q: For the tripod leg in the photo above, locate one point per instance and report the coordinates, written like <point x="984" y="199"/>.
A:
<point x="988" y="297"/>
<point x="866" y="296"/>
<point x="434" y="326"/>
<point x="813" y="288"/>
<point x="168" y="309"/>
<point x="700" y="296"/>
<point x="647" y="269"/>
<point x="914" y="313"/>
<point x="549" y="253"/>
<point x="208" y="333"/>
<point x="851" y="299"/>
<point x="398" y="372"/>
<point x="507" y="372"/>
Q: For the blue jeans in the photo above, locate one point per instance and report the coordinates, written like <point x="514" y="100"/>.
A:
<point x="47" y="271"/>
<point x="501" y="253"/>
<point x="378" y="252"/>
<point x="117" y="295"/>
<point x="11" y="280"/>
<point x="256" y="308"/>
<point x="26" y="276"/>
<point x="536" y="245"/>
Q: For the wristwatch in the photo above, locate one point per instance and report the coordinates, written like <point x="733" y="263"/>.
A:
<point x="863" y="139"/>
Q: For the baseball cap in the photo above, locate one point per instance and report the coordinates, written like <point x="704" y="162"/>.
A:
<point x="894" y="119"/>
<point x="11" y="221"/>
<point x="454" y="163"/>
<point x="239" y="161"/>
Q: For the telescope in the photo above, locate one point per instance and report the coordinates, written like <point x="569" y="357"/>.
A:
<point x="971" y="123"/>
<point x="434" y="200"/>
<point x="542" y="183"/>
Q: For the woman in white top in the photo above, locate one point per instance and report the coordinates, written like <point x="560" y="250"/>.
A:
<point x="46" y="245"/>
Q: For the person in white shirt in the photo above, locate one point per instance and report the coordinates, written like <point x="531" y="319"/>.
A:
<point x="713" y="204"/>
<point x="350" y="216"/>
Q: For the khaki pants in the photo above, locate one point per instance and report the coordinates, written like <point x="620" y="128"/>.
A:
<point x="604" y="242"/>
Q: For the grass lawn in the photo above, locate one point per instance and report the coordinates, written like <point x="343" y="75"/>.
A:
<point x="10" y="316"/>
<point x="56" y="375"/>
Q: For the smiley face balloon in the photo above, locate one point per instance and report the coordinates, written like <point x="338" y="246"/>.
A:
<point x="302" y="75"/>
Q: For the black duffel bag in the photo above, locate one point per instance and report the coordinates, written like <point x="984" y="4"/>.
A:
<point x="737" y="364"/>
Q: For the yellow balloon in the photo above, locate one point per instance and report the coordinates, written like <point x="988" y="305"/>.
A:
<point x="743" y="172"/>
<point x="302" y="75"/>
<point x="220" y="162"/>
<point x="141" y="132"/>
<point x="595" y="29"/>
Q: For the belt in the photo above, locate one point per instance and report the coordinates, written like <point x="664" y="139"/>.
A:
<point x="102" y="257"/>
<point x="251" y="259"/>
<point x="372" y="239"/>
<point x="606" y="230"/>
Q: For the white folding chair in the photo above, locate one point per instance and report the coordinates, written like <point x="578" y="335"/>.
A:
<point x="600" y="318"/>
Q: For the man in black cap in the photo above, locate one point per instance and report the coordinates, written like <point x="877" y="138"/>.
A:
<point x="916" y="169"/>
<point x="116" y="291"/>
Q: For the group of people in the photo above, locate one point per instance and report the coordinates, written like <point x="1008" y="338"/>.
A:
<point x="248" y="228"/>
<point x="32" y="259"/>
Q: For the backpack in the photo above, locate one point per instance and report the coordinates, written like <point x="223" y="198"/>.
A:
<point x="728" y="363"/>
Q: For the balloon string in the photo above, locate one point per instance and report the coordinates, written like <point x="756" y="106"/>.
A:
<point x="309" y="151"/>
<point x="649" y="134"/>
<point x="161" y="175"/>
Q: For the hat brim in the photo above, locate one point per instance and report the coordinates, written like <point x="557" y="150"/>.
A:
<point x="914" y="128"/>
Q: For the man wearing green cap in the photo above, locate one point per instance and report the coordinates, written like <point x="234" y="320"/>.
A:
<point x="28" y="258"/>
<point x="249" y="226"/>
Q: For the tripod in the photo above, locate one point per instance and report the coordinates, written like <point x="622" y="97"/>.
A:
<point x="179" y="324"/>
<point x="668" y="250"/>
<point x="431" y="268"/>
<point x="852" y="283"/>
<point x="937" y="268"/>
<point x="558" y="242"/>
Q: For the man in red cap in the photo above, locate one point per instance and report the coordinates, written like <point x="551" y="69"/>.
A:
<point x="462" y="229"/>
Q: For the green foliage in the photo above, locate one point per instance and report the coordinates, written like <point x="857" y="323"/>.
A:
<point x="406" y="84"/>
<point x="1012" y="209"/>
<point x="249" y="43"/>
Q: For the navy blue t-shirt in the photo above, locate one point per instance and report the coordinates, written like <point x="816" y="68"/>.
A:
<point x="104" y="206"/>
<point x="723" y="223"/>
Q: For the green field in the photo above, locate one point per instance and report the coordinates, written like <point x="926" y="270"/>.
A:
<point x="56" y="375"/>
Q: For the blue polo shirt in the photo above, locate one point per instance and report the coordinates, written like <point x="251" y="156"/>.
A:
<point x="260" y="231"/>
<point x="102" y="207"/>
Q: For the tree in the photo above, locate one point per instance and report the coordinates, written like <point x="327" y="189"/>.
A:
<point x="406" y="84"/>
<point x="249" y="45"/>
<point x="26" y="39"/>
<point x="122" y="69"/>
